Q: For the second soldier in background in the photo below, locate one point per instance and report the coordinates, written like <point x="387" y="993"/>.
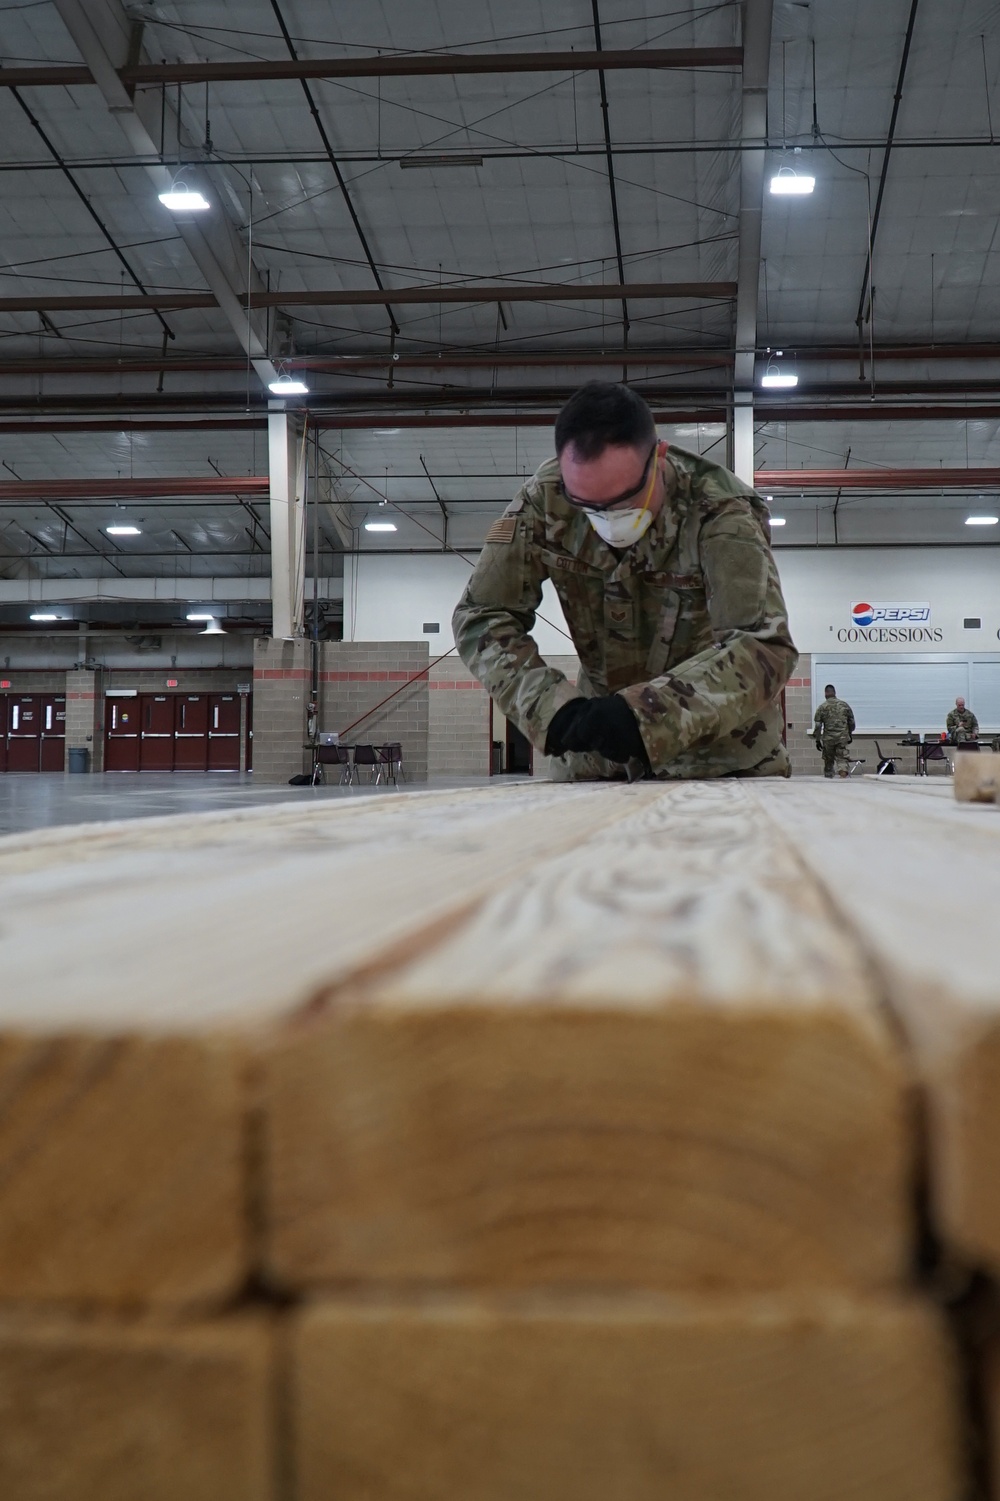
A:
<point x="833" y="728"/>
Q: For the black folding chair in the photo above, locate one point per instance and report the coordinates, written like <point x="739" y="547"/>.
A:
<point x="332" y="755"/>
<point x="367" y="755"/>
<point x="886" y="764"/>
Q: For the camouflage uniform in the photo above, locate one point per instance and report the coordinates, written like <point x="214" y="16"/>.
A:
<point x="688" y="624"/>
<point x="962" y="724"/>
<point x="834" y="726"/>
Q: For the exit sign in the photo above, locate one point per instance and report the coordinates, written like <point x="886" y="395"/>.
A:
<point x="4" y="682"/>
<point x="171" y="682"/>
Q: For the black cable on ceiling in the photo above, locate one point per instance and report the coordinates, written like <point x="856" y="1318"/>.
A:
<point x="333" y="161"/>
<point x="896" y="101"/>
<point x="40" y="132"/>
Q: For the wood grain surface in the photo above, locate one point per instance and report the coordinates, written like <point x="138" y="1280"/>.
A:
<point x="656" y="1060"/>
<point x="917" y="875"/>
<point x="140" y="962"/>
<point x="98" y="1410"/>
<point x="640" y="1399"/>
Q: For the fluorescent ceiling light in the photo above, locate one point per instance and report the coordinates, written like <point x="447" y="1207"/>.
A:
<point x="446" y="159"/>
<point x="213" y="628"/>
<point x="981" y="520"/>
<point x="44" y="617"/>
<point x="123" y="531"/>
<point x="287" y="385"/>
<point x="385" y="432"/>
<point x="180" y="199"/>
<point x="774" y="380"/>
<point x="777" y="520"/>
<point x="204" y="615"/>
<point x="790" y="184"/>
<point x="380" y="526"/>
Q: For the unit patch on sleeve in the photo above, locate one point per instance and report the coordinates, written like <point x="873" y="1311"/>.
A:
<point x="503" y="530"/>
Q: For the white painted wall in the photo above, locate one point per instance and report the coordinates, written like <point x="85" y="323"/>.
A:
<point x="821" y="585"/>
<point x="390" y="598"/>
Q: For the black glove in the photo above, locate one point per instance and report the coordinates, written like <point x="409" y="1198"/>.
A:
<point x="606" y="725"/>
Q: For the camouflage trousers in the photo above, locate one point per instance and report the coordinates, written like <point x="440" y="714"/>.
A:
<point x="692" y="766"/>
<point x="835" y="757"/>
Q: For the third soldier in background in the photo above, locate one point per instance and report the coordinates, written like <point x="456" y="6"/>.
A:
<point x="834" y="726"/>
<point x="961" y="723"/>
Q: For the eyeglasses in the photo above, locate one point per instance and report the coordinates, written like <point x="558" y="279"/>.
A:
<point x="617" y="500"/>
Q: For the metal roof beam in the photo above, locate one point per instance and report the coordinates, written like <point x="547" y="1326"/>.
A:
<point x="103" y="33"/>
<point x="196" y="590"/>
<point x="654" y="291"/>
<point x="130" y="489"/>
<point x="413" y="65"/>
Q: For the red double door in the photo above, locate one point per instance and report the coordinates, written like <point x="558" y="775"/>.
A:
<point x="173" y="732"/>
<point x="32" y="732"/>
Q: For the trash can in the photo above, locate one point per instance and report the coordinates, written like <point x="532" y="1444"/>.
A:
<point x="79" y="758"/>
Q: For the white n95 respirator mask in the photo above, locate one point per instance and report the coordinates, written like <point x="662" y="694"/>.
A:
<point x="621" y="528"/>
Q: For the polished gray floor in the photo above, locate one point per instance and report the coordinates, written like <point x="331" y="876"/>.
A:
<point x="39" y="802"/>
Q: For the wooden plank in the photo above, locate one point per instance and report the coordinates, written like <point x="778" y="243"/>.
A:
<point x="977" y="776"/>
<point x="139" y="962"/>
<point x="100" y="1411"/>
<point x="641" y="1398"/>
<point x="918" y="877"/>
<point x="653" y="1061"/>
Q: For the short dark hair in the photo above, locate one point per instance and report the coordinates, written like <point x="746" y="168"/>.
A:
<point x="603" y="415"/>
<point x="830" y="689"/>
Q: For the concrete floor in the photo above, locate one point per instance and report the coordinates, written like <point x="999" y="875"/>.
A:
<point x="39" y="802"/>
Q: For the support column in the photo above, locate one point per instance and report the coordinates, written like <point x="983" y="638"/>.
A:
<point x="756" y="58"/>
<point x="280" y="700"/>
<point x="742" y="452"/>
<point x="288" y="556"/>
<point x="83" y="715"/>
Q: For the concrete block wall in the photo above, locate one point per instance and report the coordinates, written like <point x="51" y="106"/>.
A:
<point x="805" y="759"/>
<point x="41" y="680"/>
<point x="356" y="676"/>
<point x="83" y="716"/>
<point x="281" y="674"/>
<point x="458" y="729"/>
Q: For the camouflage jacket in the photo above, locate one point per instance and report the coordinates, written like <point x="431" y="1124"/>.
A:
<point x="833" y="720"/>
<point x="962" y="724"/>
<point x="688" y="624"/>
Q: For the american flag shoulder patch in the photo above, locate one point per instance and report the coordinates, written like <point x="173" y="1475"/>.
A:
<point x="503" y="530"/>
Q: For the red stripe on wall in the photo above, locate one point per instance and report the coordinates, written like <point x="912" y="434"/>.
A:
<point x="799" y="683"/>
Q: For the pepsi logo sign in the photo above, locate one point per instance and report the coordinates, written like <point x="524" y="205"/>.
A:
<point x="894" y="613"/>
<point x="889" y="622"/>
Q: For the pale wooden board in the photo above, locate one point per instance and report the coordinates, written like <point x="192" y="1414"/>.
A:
<point x="138" y="962"/>
<point x="977" y="776"/>
<point x="207" y="922"/>
<point x="918" y="878"/>
<point x="102" y="1411"/>
<point x="642" y="1399"/>
<point x="652" y="1061"/>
